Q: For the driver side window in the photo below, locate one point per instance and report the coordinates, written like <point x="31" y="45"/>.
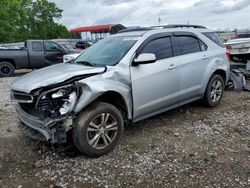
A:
<point x="161" y="47"/>
<point x="51" y="47"/>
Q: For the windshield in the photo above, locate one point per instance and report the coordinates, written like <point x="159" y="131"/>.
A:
<point x="107" y="51"/>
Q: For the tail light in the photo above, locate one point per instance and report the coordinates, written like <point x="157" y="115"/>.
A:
<point x="228" y="56"/>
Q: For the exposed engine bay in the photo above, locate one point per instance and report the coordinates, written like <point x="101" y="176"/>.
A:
<point x="57" y="102"/>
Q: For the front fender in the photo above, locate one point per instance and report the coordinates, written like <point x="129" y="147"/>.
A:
<point x="94" y="88"/>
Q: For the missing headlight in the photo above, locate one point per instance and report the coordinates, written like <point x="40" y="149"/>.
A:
<point x="57" y="102"/>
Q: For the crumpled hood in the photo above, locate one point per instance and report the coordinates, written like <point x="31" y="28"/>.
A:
<point x="52" y="75"/>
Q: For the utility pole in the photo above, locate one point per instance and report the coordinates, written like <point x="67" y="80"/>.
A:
<point x="159" y="20"/>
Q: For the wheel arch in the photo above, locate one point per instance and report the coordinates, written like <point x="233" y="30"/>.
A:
<point x="9" y="61"/>
<point x="116" y="99"/>
<point x="222" y="73"/>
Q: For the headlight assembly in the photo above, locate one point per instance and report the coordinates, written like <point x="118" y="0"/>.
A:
<point x="57" y="102"/>
<point x="68" y="104"/>
<point x="58" y="94"/>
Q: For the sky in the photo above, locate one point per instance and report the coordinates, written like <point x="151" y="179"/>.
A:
<point x="214" y="14"/>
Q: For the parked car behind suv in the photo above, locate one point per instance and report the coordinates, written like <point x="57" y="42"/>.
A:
<point x="125" y="77"/>
<point x="83" y="45"/>
<point x="36" y="54"/>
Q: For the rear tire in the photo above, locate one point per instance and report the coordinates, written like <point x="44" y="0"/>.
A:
<point x="214" y="91"/>
<point x="98" y="130"/>
<point x="6" y="69"/>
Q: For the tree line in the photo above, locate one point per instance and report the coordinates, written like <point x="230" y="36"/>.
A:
<point x="28" y="19"/>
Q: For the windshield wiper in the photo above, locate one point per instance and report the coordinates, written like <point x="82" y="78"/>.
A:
<point x="87" y="63"/>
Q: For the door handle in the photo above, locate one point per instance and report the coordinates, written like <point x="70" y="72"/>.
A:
<point x="172" y="67"/>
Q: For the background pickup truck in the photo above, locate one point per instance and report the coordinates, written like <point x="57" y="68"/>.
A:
<point x="36" y="54"/>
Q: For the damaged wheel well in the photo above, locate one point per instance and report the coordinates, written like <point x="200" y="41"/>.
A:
<point x="222" y="73"/>
<point x="115" y="99"/>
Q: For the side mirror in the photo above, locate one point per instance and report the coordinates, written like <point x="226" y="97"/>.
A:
<point x="144" y="58"/>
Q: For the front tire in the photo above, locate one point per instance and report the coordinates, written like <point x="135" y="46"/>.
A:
<point x="98" y="130"/>
<point x="214" y="91"/>
<point x="6" y="69"/>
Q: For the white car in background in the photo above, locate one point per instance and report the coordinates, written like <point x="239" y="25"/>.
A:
<point x="69" y="57"/>
<point x="238" y="46"/>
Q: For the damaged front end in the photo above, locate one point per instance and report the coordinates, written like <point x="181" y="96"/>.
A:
<point x="47" y="114"/>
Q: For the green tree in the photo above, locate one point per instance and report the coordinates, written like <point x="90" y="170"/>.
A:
<point x="28" y="19"/>
<point x="43" y="17"/>
<point x="9" y="18"/>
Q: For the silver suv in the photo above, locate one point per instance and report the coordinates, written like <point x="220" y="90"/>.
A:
<point x="129" y="76"/>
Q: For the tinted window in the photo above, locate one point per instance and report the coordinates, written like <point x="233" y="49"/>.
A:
<point x="186" y="45"/>
<point x="162" y="48"/>
<point x="213" y="37"/>
<point x="37" y="46"/>
<point x="51" y="46"/>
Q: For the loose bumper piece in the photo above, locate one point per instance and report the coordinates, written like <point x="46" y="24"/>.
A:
<point x="44" y="130"/>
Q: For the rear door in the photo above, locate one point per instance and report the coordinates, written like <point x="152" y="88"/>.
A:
<point x="155" y="86"/>
<point x="193" y="60"/>
<point x="53" y="53"/>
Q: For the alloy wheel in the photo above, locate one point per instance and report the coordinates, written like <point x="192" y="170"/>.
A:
<point x="216" y="91"/>
<point x="102" y="131"/>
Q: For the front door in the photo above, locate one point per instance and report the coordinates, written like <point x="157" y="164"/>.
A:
<point x="155" y="86"/>
<point x="53" y="53"/>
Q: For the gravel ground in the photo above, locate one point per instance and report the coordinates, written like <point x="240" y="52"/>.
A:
<point x="192" y="146"/>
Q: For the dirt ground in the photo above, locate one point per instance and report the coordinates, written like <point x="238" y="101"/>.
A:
<point x="192" y="146"/>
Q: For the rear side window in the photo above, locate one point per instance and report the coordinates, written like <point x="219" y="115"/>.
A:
<point x="213" y="37"/>
<point x="36" y="46"/>
<point x="161" y="47"/>
<point x="186" y="45"/>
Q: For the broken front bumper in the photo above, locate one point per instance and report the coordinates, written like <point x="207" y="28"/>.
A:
<point x="43" y="130"/>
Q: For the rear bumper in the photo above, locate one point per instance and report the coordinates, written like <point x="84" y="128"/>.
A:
<point x="44" y="130"/>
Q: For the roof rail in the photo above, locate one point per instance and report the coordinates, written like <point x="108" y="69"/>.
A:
<point x="179" y="25"/>
<point x="160" y="27"/>
<point x="134" y="29"/>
